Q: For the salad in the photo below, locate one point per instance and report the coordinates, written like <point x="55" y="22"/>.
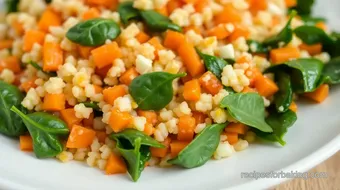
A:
<point x="123" y="85"/>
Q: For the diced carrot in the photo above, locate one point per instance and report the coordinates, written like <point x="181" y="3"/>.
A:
<point x="106" y="54"/>
<point x="257" y="5"/>
<point x="112" y="93"/>
<point x="26" y="143"/>
<point x="199" y="7"/>
<point x="176" y="147"/>
<point x="322" y="26"/>
<point x="84" y="51"/>
<point x="190" y="1"/>
<point x="52" y="56"/>
<point x="18" y="27"/>
<point x="191" y="59"/>
<point x="320" y="94"/>
<point x="101" y="135"/>
<point x="199" y="117"/>
<point x="247" y="89"/>
<point x="192" y="90"/>
<point x="238" y="128"/>
<point x="12" y="63"/>
<point x="173" y="40"/>
<point x="54" y="102"/>
<point x="26" y="86"/>
<point x="69" y="116"/>
<point x="196" y="29"/>
<point x="156" y="43"/>
<point x="232" y="138"/>
<point x="311" y="49"/>
<point x="290" y="3"/>
<point x="119" y="120"/>
<point x="186" y="127"/>
<point x="49" y="18"/>
<point x="17" y="79"/>
<point x="88" y="122"/>
<point x="293" y="106"/>
<point x="149" y="129"/>
<point x="238" y="32"/>
<point x="265" y="86"/>
<point x="161" y="152"/>
<point x="243" y="59"/>
<point x="90" y="14"/>
<point x="173" y="4"/>
<point x="151" y="116"/>
<point x="110" y="4"/>
<point x="128" y="76"/>
<point x="4" y="44"/>
<point x="252" y="74"/>
<point x="31" y="37"/>
<point x="163" y="11"/>
<point x="80" y="137"/>
<point x="142" y="37"/>
<point x="97" y="89"/>
<point x="102" y="72"/>
<point x="284" y="54"/>
<point x="210" y="83"/>
<point x="115" y="165"/>
<point x="228" y="15"/>
<point x="219" y="31"/>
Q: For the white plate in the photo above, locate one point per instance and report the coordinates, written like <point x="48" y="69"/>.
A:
<point x="311" y="140"/>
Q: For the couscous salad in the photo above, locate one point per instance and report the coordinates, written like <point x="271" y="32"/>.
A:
<point x="123" y="85"/>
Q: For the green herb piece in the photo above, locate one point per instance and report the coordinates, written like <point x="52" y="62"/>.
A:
<point x="44" y="129"/>
<point x="304" y="7"/>
<point x="39" y="68"/>
<point x="331" y="71"/>
<point x="213" y="64"/>
<point x="284" y="37"/>
<point x="153" y="91"/>
<point x="280" y="122"/>
<point x="11" y="5"/>
<point x="10" y="123"/>
<point x="257" y="47"/>
<point x="158" y="22"/>
<point x="93" y="105"/>
<point x="93" y="32"/>
<point x="312" y="21"/>
<point x="200" y="150"/>
<point x="312" y="35"/>
<point x="284" y="97"/>
<point x="305" y="73"/>
<point x="127" y="12"/>
<point x="132" y="134"/>
<point x="248" y="109"/>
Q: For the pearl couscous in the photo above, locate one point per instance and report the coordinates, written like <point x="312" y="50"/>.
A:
<point x="122" y="85"/>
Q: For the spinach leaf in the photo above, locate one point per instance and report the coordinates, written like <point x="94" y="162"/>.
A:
<point x="153" y="91"/>
<point x="284" y="97"/>
<point x="127" y="12"/>
<point x="304" y="7"/>
<point x="213" y="64"/>
<point x="44" y="129"/>
<point x="158" y="22"/>
<point x="93" y="105"/>
<point x="229" y="89"/>
<point x="331" y="71"/>
<point x="280" y="122"/>
<point x="312" y="21"/>
<point x="248" y="109"/>
<point x="11" y="5"/>
<point x="39" y="68"/>
<point x="312" y="35"/>
<point x="305" y="73"/>
<point x="200" y="150"/>
<point x="10" y="123"/>
<point x="93" y="32"/>
<point x="257" y="47"/>
<point x="132" y="134"/>
<point x="285" y="36"/>
<point x="334" y="50"/>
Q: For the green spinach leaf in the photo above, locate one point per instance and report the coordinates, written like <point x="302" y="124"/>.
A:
<point x="257" y="47"/>
<point x="280" y="122"/>
<point x="153" y="91"/>
<point x="11" y="5"/>
<point x="285" y="36"/>
<point x="44" y="129"/>
<point x="312" y="21"/>
<point x="158" y="22"/>
<point x="248" y="109"/>
<point x="39" y="68"/>
<point x="10" y="123"/>
<point x="229" y="89"/>
<point x="331" y="71"/>
<point x="200" y="150"/>
<point x="93" y="32"/>
<point x="313" y="35"/>
<point x="304" y="7"/>
<point x="213" y="64"/>
<point x="127" y="12"/>
<point x="284" y="97"/>
<point x="305" y="73"/>
<point x="93" y="105"/>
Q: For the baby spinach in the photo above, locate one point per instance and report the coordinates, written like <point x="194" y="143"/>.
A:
<point x="10" y="123"/>
<point x="331" y="71"/>
<point x="311" y="21"/>
<point x="279" y="122"/>
<point x="229" y="89"/>
<point x="304" y="7"/>
<point x="127" y="12"/>
<point x="284" y="97"/>
<point x="93" y="32"/>
<point x="285" y="36"/>
<point x="200" y="150"/>
<point x="313" y="35"/>
<point x="213" y="64"/>
<point x="257" y="47"/>
<point x="134" y="146"/>
<point x="248" y="109"/>
<point x="44" y="129"/>
<point x="11" y="5"/>
<point x="305" y="73"/>
<point x="158" y="22"/>
<point x="39" y="68"/>
<point x="93" y="105"/>
<point x="153" y="91"/>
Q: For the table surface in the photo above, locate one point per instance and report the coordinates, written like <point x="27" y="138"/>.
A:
<point x="331" y="166"/>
